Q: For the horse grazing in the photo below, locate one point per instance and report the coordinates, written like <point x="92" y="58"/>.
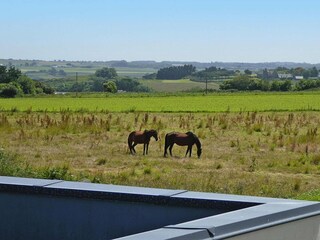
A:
<point x="182" y="139"/>
<point x="139" y="137"/>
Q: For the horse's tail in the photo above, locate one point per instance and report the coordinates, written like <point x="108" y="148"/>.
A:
<point x="130" y="140"/>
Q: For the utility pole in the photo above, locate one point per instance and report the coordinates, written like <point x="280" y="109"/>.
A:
<point x="206" y="85"/>
<point x="77" y="84"/>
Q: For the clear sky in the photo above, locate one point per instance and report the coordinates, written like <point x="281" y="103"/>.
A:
<point x="183" y="30"/>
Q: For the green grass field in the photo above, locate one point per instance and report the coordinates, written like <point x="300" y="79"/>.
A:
<point x="171" y="103"/>
<point x="34" y="72"/>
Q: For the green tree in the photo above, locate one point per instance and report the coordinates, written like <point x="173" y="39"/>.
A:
<point x="281" y="85"/>
<point x="3" y="74"/>
<point x="44" y="88"/>
<point x="130" y="85"/>
<point x="314" y="72"/>
<point x="298" y="71"/>
<point x="107" y="73"/>
<point x="241" y="82"/>
<point x="96" y="84"/>
<point x="286" y="85"/>
<point x="306" y="74"/>
<point x="27" y="84"/>
<point x="275" y="86"/>
<point x="10" y="90"/>
<point x="265" y="74"/>
<point x="110" y="86"/>
<point x="212" y="73"/>
<point x="248" y="72"/>
<point x="175" y="72"/>
<point x="9" y="75"/>
<point x="79" y="87"/>
<point x="13" y="73"/>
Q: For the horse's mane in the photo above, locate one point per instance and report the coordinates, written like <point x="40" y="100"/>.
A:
<point x="150" y="133"/>
<point x="151" y="130"/>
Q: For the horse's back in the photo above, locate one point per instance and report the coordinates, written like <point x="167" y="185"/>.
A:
<point x="170" y="134"/>
<point x="178" y="138"/>
<point x="137" y="136"/>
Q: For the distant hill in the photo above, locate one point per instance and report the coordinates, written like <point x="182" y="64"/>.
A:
<point x="155" y="65"/>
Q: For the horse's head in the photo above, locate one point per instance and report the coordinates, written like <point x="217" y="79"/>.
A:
<point x="197" y="142"/>
<point x="199" y="151"/>
<point x="153" y="133"/>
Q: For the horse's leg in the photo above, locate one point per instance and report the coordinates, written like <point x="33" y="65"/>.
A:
<point x="190" y="151"/>
<point x="187" y="151"/>
<point x="147" y="148"/>
<point x="134" y="151"/>
<point x="130" y="147"/>
<point x="166" y="145"/>
<point x="165" y="149"/>
<point x="170" y="149"/>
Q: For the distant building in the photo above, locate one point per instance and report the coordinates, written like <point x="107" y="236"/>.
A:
<point x="285" y="75"/>
<point x="298" y="77"/>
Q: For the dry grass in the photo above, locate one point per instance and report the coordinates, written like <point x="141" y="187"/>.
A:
<point x="262" y="154"/>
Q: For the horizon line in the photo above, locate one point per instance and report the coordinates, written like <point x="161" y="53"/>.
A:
<point x="182" y="61"/>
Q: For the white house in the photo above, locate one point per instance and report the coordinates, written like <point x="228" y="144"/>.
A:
<point x="285" y="75"/>
<point x="298" y="77"/>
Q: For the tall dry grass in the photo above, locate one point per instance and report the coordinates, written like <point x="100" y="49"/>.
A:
<point x="265" y="154"/>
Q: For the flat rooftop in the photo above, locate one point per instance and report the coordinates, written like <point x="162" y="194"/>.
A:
<point x="104" y="211"/>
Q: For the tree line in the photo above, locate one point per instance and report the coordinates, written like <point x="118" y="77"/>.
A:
<point x="265" y="80"/>
<point x="14" y="83"/>
<point x="175" y="72"/>
<point x="189" y="71"/>
<point x="291" y="73"/>
<point x="248" y="83"/>
<point x="216" y="73"/>
<point x="212" y="73"/>
<point x="104" y="80"/>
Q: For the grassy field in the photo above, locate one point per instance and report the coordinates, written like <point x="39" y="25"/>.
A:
<point x="35" y="72"/>
<point x="260" y="153"/>
<point x="168" y="103"/>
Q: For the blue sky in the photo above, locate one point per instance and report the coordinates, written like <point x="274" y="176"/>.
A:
<point x="182" y="30"/>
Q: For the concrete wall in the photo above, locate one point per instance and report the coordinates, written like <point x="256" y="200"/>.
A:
<point x="55" y="209"/>
<point x="305" y="229"/>
<point x="29" y="216"/>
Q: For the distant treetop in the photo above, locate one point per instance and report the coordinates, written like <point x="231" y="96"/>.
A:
<point x="108" y="73"/>
<point x="175" y="72"/>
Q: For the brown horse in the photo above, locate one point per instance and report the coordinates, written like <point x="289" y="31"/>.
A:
<point x="182" y="139"/>
<point x="139" y="137"/>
